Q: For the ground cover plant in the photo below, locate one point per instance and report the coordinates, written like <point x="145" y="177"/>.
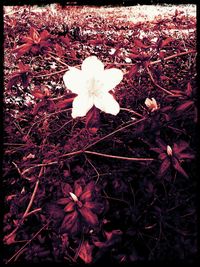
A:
<point x="114" y="181"/>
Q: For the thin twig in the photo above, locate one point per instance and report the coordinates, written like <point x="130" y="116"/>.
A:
<point x="46" y="116"/>
<point x="98" y="175"/>
<point x="20" y="173"/>
<point x="63" y="126"/>
<point x="117" y="199"/>
<point x="28" y="242"/>
<point x="39" y="165"/>
<point x="117" y="157"/>
<point x="58" y="60"/>
<point x="26" y="214"/>
<point x="131" y="111"/>
<point x="173" y="56"/>
<point x="114" y="132"/>
<point x="50" y="74"/>
<point x="31" y="200"/>
<point x="33" y="211"/>
<point x="157" y="85"/>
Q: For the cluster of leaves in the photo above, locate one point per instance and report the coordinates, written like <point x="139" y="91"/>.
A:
<point x="63" y="204"/>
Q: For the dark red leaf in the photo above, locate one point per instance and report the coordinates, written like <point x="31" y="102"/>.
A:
<point x="112" y="238"/>
<point x="64" y="103"/>
<point x="187" y="156"/>
<point x="23" y="67"/>
<point x="162" y="155"/>
<point x="189" y="89"/>
<point x="63" y="201"/>
<point x="85" y="252"/>
<point x="13" y="80"/>
<point x="133" y="70"/>
<point x="44" y="35"/>
<point x="89" y="216"/>
<point x="59" y="50"/>
<point x="93" y="206"/>
<point x="35" y="49"/>
<point x="93" y="120"/>
<point x="22" y="49"/>
<point x="87" y="193"/>
<point x="69" y="207"/>
<point x="70" y="222"/>
<point x="77" y="189"/>
<point x="140" y="44"/>
<point x="164" y="167"/>
<point x="34" y="35"/>
<point x="180" y="146"/>
<point x="73" y="55"/>
<point x="177" y="166"/>
<point x="134" y="56"/>
<point x="161" y="54"/>
<point x="184" y="106"/>
<point x="9" y="239"/>
<point x="166" y="42"/>
<point x="66" y="189"/>
<point x="65" y="40"/>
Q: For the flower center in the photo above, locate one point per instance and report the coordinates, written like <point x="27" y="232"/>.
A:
<point x="94" y="87"/>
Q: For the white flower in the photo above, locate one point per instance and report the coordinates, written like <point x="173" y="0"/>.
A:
<point x="151" y="104"/>
<point x="128" y="60"/>
<point x="92" y="85"/>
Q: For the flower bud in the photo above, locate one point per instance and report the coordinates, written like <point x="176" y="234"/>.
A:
<point x="151" y="104"/>
<point x="73" y="196"/>
<point x="169" y="150"/>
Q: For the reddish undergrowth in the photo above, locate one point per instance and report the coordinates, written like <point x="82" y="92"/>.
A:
<point x="115" y="188"/>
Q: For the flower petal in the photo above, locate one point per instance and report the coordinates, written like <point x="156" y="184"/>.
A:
<point x="92" y="65"/>
<point x="74" y="80"/>
<point x="81" y="105"/>
<point x="111" y="78"/>
<point x="107" y="103"/>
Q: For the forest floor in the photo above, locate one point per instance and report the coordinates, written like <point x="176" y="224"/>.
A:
<point x="100" y="188"/>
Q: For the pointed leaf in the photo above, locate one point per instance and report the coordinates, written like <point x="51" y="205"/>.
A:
<point x="44" y="35"/>
<point x="89" y="216"/>
<point x="63" y="201"/>
<point x="85" y="252"/>
<point x="189" y="89"/>
<point x="69" y="220"/>
<point x="93" y="120"/>
<point x="166" y="42"/>
<point x="140" y="44"/>
<point x="69" y="207"/>
<point x="177" y="166"/>
<point x="77" y="189"/>
<point x="133" y="70"/>
<point x="164" y="167"/>
<point x="184" y="106"/>
<point x="66" y="189"/>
